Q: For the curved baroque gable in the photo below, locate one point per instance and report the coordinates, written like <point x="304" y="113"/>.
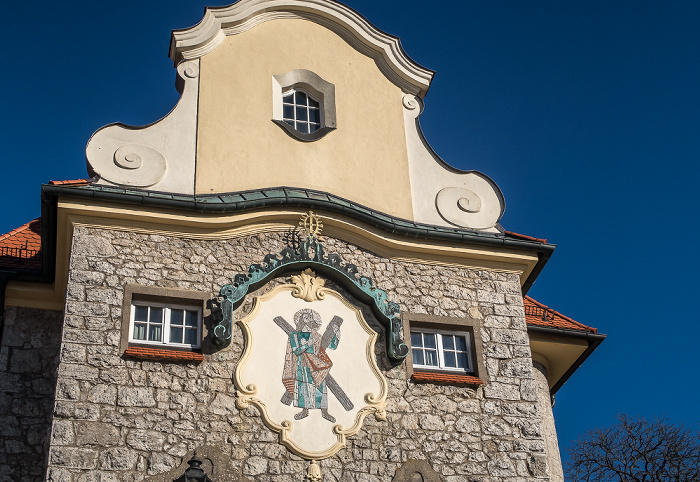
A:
<point x="216" y="123"/>
<point x="385" y="49"/>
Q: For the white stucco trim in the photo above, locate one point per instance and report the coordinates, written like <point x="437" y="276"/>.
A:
<point x="385" y="49"/>
<point x="159" y="156"/>
<point x="441" y="194"/>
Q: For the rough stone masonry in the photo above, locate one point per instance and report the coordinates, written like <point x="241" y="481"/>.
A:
<point x="116" y="418"/>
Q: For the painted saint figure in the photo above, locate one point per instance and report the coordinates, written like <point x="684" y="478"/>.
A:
<point x="307" y="365"/>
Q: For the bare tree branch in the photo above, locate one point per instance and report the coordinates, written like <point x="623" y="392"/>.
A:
<point x="636" y="450"/>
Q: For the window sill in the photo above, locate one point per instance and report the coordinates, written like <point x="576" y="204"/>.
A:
<point x="161" y="354"/>
<point x="446" y="379"/>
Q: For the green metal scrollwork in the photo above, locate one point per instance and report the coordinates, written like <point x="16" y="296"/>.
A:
<point x="312" y="254"/>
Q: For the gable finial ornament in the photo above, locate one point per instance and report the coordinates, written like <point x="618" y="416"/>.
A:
<point x="311" y="224"/>
<point x="312" y="254"/>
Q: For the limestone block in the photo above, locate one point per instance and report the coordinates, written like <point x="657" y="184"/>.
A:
<point x="443" y="404"/>
<point x="529" y="445"/>
<point x="502" y="391"/>
<point x="75" y="293"/>
<point x="431" y="422"/>
<point x="223" y="405"/>
<point x="84" y="308"/>
<point x="528" y="390"/>
<point x="107" y="295"/>
<point x="517" y="367"/>
<point x="158" y="463"/>
<point x="79" y="458"/>
<point x="496" y="426"/>
<point x="510" y="310"/>
<point x="85" y="277"/>
<point x="145" y="440"/>
<point x="509" y="337"/>
<point x="96" y="433"/>
<point x="75" y="371"/>
<point x="498" y="351"/>
<point x="118" y="458"/>
<point x="55" y="474"/>
<point x="72" y="353"/>
<point x="497" y="321"/>
<point x="537" y="465"/>
<point x="98" y="476"/>
<point x="518" y="409"/>
<point x="89" y="245"/>
<point x="62" y="433"/>
<point x="76" y="411"/>
<point x="255" y="466"/>
<point x="501" y="466"/>
<point x="135" y="397"/>
<point x="468" y="423"/>
<point x="469" y="406"/>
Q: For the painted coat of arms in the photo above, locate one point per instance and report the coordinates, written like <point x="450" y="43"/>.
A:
<point x="309" y="366"/>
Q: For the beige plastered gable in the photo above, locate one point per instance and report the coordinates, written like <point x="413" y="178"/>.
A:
<point x="222" y="136"/>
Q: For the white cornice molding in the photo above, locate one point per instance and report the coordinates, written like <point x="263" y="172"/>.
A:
<point x="385" y="49"/>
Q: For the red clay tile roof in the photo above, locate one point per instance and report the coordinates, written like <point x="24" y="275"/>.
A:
<point x="75" y="182"/>
<point x="21" y="247"/>
<point x="541" y="315"/>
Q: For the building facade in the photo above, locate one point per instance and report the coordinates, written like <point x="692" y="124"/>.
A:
<point x="282" y="276"/>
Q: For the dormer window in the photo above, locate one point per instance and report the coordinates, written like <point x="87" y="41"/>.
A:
<point x="301" y="111"/>
<point x="303" y="104"/>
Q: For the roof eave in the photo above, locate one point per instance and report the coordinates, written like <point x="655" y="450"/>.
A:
<point x="593" y="339"/>
<point x="294" y="197"/>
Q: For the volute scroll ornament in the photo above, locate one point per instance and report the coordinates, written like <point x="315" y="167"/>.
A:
<point x="134" y="165"/>
<point x="453" y="203"/>
<point x="188" y="69"/>
<point x="412" y="102"/>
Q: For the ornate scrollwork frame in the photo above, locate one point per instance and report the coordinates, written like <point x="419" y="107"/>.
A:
<point x="309" y="288"/>
<point x="312" y="254"/>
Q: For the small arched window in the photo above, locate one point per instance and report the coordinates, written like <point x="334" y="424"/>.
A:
<point x="303" y="104"/>
<point x="301" y="111"/>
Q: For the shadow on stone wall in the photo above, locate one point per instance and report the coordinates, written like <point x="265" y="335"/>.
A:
<point x="28" y="362"/>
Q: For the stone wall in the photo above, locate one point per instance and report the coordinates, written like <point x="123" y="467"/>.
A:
<point x="28" y="361"/>
<point x="122" y="419"/>
<point x="549" y="431"/>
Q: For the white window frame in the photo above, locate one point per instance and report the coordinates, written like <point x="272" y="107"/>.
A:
<point x="165" y="332"/>
<point x="309" y="95"/>
<point x="440" y="351"/>
<point x="315" y="87"/>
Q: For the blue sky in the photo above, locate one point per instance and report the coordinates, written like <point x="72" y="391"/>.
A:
<point x="585" y="113"/>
